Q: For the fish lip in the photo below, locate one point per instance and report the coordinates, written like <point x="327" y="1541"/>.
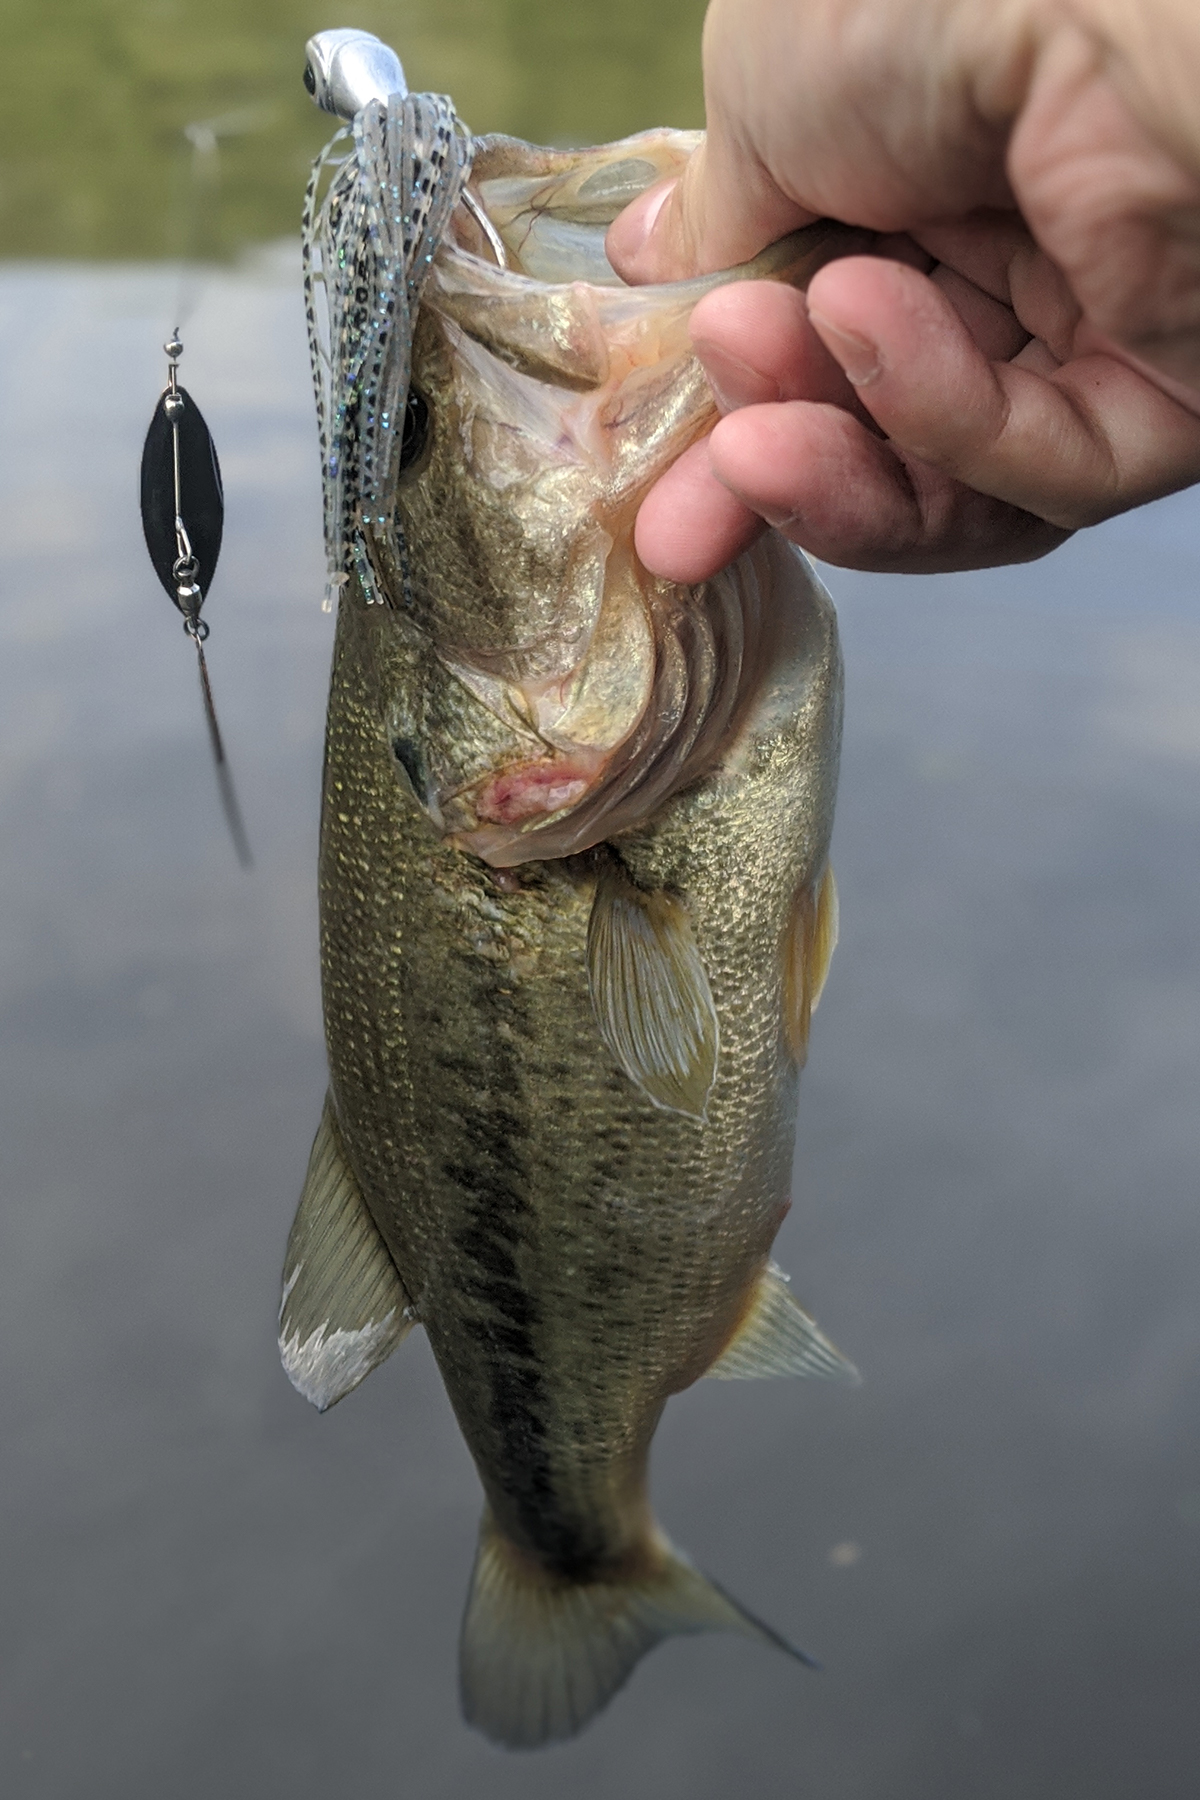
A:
<point x="651" y="295"/>
<point x="474" y="293"/>
<point x="648" y="295"/>
<point x="506" y="799"/>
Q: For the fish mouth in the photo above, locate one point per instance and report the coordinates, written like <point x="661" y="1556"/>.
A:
<point x="542" y="213"/>
<point x="524" y="271"/>
<point x="558" y="396"/>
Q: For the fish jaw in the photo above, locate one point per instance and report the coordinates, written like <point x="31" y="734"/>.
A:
<point x="526" y="488"/>
<point x="517" y="526"/>
<point x="552" y="408"/>
<point x="519" y="539"/>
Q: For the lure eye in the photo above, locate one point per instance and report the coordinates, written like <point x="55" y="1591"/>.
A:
<point x="416" y="429"/>
<point x="310" y="79"/>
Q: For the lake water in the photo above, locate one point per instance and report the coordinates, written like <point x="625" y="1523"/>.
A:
<point x="994" y="1545"/>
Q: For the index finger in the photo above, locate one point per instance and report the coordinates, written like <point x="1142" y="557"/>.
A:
<point x="1073" y="446"/>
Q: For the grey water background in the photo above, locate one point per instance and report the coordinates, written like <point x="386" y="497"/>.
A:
<point x="994" y="1545"/>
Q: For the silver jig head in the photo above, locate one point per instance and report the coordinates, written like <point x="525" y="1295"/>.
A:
<point x="346" y="69"/>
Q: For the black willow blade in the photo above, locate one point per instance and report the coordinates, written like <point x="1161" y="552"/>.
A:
<point x="183" y="517"/>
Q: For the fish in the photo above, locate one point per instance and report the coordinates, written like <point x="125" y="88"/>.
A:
<point x="576" y="901"/>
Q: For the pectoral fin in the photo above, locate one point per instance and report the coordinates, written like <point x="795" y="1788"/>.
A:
<point x="344" y="1307"/>
<point x="777" y="1337"/>
<point x="650" y="993"/>
<point x="811" y="941"/>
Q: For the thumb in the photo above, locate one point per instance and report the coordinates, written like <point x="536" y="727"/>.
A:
<point x="652" y="239"/>
<point x="720" y="212"/>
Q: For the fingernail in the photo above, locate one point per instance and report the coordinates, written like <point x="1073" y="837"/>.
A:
<point x="632" y="229"/>
<point x="649" y="218"/>
<point x="859" y="357"/>
<point x="733" y="382"/>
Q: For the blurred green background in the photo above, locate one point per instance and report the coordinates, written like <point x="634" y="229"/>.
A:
<point x="93" y="158"/>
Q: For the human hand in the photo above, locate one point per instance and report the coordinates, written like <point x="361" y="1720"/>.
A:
<point x="969" y="404"/>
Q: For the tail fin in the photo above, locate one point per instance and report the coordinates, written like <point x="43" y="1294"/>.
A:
<point x="541" y="1655"/>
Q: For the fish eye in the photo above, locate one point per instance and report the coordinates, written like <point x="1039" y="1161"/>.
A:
<point x="416" y="429"/>
<point x="310" y="79"/>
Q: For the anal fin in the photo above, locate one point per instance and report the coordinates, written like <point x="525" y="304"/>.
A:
<point x="777" y="1337"/>
<point x="650" y="992"/>
<point x="344" y="1306"/>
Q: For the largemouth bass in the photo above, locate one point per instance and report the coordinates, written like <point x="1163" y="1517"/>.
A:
<point x="576" y="905"/>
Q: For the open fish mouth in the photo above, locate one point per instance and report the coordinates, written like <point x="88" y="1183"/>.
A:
<point x="495" y="403"/>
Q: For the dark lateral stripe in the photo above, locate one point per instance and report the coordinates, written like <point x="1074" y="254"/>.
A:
<point x="501" y="1316"/>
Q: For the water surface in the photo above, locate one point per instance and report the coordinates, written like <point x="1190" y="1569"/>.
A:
<point x="994" y="1545"/>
